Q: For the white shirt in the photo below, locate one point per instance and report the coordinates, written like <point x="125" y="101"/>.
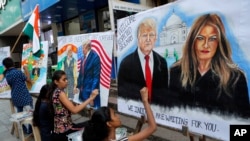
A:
<point x="85" y="57"/>
<point x="143" y="61"/>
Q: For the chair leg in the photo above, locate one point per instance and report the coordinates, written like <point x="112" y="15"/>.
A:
<point x="35" y="131"/>
<point x="14" y="129"/>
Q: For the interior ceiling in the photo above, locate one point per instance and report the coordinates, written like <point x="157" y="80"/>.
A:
<point x="61" y="11"/>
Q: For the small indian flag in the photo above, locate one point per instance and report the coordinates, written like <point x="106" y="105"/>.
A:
<point x="32" y="29"/>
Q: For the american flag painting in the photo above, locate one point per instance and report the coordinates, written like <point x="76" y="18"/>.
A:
<point x="102" y="43"/>
<point x="106" y="62"/>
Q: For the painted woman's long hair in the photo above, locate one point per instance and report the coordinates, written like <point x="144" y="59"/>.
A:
<point x="221" y="64"/>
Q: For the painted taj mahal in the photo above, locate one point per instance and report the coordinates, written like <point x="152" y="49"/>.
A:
<point x="171" y="39"/>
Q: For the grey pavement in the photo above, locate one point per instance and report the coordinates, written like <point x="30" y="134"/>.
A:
<point x="5" y="123"/>
<point x="162" y="133"/>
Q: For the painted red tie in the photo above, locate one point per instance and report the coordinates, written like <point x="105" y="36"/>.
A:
<point x="148" y="78"/>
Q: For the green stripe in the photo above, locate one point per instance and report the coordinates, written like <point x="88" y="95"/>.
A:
<point x="28" y="30"/>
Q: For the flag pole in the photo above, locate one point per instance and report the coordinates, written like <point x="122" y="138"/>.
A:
<point x="16" y="42"/>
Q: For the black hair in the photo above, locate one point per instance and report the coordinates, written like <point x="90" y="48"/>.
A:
<point x="56" y="76"/>
<point x="97" y="128"/>
<point x="8" y="63"/>
<point x="46" y="93"/>
<point x="43" y="95"/>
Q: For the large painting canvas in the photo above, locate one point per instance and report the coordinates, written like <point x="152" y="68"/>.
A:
<point x="199" y="64"/>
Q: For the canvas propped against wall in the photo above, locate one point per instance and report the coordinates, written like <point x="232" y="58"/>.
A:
<point x="199" y="66"/>
<point x="37" y="65"/>
<point x="90" y="71"/>
<point x="4" y="87"/>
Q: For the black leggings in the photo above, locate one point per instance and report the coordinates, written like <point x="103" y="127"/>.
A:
<point x="63" y="136"/>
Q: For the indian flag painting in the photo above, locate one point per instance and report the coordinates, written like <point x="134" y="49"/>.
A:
<point x="37" y="66"/>
<point x="32" y="29"/>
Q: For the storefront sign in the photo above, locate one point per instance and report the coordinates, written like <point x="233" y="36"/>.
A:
<point x="2" y="4"/>
<point x="10" y="14"/>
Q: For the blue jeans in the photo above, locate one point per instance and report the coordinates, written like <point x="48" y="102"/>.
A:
<point x="19" y="108"/>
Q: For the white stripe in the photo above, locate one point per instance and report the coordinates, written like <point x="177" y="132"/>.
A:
<point x="104" y="59"/>
<point x="36" y="43"/>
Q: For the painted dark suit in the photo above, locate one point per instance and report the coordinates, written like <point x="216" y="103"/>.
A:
<point x="36" y="71"/>
<point x="205" y="93"/>
<point x="131" y="78"/>
<point x="89" y="78"/>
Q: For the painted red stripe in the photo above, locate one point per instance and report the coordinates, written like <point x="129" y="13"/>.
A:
<point x="106" y="72"/>
<point x="105" y="85"/>
<point x="106" y="64"/>
<point x="107" y="80"/>
<point x="102" y="55"/>
<point x="98" y="43"/>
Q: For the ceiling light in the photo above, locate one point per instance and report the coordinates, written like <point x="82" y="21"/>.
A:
<point x="71" y="9"/>
<point x="90" y="0"/>
<point x="59" y="7"/>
